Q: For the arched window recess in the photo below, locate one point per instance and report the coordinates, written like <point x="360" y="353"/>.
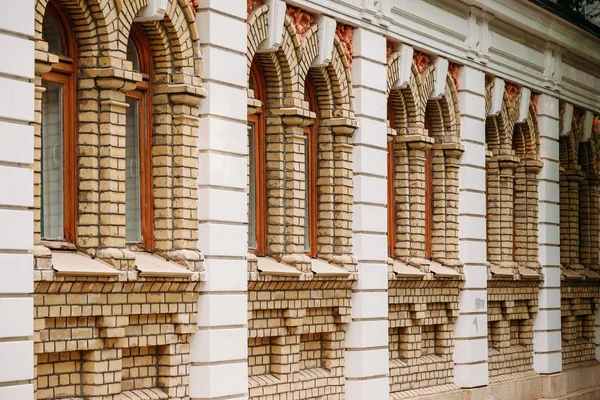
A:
<point x="58" y="164"/>
<point x="139" y="202"/>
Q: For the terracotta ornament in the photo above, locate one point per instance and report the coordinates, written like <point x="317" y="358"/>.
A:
<point x="194" y="6"/>
<point x="346" y="34"/>
<point x="252" y="4"/>
<point x="453" y="71"/>
<point x="301" y="20"/>
<point x="511" y="91"/>
<point x="389" y="47"/>
<point x="421" y="60"/>
<point x="534" y="102"/>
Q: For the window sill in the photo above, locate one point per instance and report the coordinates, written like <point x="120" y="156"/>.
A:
<point x="150" y="265"/>
<point x="512" y="271"/>
<point x="70" y="263"/>
<point x="266" y="267"/>
<point x="64" y="264"/>
<point x="422" y="269"/>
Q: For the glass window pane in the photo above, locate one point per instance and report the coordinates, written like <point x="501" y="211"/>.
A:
<point x="51" y="35"/>
<point x="133" y="215"/>
<point x="306" y="196"/>
<point x="52" y="162"/>
<point x="132" y="55"/>
<point x="251" y="188"/>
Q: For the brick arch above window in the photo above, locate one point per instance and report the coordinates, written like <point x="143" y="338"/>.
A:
<point x="511" y="188"/>
<point x="423" y="161"/>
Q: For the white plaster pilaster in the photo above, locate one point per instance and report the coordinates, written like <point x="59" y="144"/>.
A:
<point x="470" y="346"/>
<point x="547" y="357"/>
<point x="367" y="336"/>
<point x="219" y="348"/>
<point x="16" y="218"/>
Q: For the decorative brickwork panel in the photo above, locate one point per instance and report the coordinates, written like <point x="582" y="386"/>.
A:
<point x="511" y="311"/>
<point x="579" y="302"/>
<point x="102" y="338"/>
<point x="296" y="338"/>
<point x="421" y="344"/>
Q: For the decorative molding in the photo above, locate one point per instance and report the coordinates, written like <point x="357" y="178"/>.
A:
<point x="421" y="60"/>
<point x="346" y="34"/>
<point x="524" y="105"/>
<point x="252" y="4"/>
<point x="453" y="70"/>
<point x="155" y="11"/>
<point x="439" y="78"/>
<point x="275" y="18"/>
<point x="567" y="115"/>
<point x="405" y="59"/>
<point x="497" y="97"/>
<point x="326" y="35"/>
<point x="301" y="19"/>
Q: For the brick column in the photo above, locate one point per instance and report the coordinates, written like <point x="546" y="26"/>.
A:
<point x="367" y="336"/>
<point x="470" y="346"/>
<point x="219" y="349"/>
<point x="452" y="154"/>
<point x="547" y="356"/>
<point x="16" y="197"/>
<point x="112" y="86"/>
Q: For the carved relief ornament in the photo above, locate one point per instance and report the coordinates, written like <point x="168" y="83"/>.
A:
<point x="421" y="60"/>
<point x="453" y="71"/>
<point x="346" y="34"/>
<point x="511" y="91"/>
<point x="301" y="20"/>
<point x="252" y="4"/>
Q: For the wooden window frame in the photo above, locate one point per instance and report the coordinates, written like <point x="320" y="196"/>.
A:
<point x="64" y="73"/>
<point x="391" y="186"/>
<point x="428" y="196"/>
<point x="312" y="132"/>
<point x="143" y="93"/>
<point x="259" y="151"/>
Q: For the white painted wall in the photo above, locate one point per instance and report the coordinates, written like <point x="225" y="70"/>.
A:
<point x="16" y="180"/>
<point x="367" y="336"/>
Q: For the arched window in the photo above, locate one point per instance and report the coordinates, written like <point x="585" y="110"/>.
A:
<point x="59" y="127"/>
<point x="310" y="162"/>
<point x="139" y="207"/>
<point x="257" y="196"/>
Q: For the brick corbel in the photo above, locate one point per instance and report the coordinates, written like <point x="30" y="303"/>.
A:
<point x="453" y="151"/>
<point x="186" y="94"/>
<point x="341" y="125"/>
<point x="507" y="162"/>
<point x="533" y="166"/>
<point x="416" y="140"/>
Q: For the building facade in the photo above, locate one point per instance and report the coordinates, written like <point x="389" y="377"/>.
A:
<point x="269" y="199"/>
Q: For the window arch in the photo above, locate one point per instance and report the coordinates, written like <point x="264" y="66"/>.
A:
<point x="310" y="176"/>
<point x="257" y="196"/>
<point x="59" y="129"/>
<point x="139" y="202"/>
